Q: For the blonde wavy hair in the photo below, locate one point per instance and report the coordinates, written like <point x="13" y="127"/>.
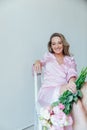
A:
<point x="64" y="42"/>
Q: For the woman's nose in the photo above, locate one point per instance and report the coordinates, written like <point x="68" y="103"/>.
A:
<point x="57" y="44"/>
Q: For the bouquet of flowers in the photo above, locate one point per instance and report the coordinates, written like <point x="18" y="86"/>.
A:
<point x="58" y="114"/>
<point x="54" y="118"/>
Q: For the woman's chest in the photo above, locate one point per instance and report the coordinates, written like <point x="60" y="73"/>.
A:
<point x="53" y="68"/>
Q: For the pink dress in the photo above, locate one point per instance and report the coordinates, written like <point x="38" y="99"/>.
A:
<point x="55" y="75"/>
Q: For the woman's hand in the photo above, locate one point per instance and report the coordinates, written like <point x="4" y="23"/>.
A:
<point x="71" y="86"/>
<point x="37" y="66"/>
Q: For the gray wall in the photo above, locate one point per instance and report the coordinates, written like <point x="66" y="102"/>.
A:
<point x="25" y="28"/>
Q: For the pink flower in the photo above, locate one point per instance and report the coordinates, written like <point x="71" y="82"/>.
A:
<point x="61" y="106"/>
<point x="61" y="115"/>
<point x="68" y="121"/>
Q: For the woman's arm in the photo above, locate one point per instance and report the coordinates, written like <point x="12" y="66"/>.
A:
<point x="40" y="63"/>
<point x="37" y="66"/>
<point x="71" y="86"/>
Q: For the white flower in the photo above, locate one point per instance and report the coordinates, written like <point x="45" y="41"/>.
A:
<point x="45" y="113"/>
<point x="54" y="120"/>
<point x="56" y="109"/>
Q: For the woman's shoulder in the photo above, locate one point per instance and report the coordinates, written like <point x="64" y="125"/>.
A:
<point x="48" y="55"/>
<point x="69" y="60"/>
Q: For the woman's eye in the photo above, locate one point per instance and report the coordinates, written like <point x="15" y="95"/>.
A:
<point x="59" y="42"/>
<point x="56" y="43"/>
<point x="53" y="43"/>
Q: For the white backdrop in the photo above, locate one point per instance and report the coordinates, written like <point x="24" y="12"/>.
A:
<point x="25" y="28"/>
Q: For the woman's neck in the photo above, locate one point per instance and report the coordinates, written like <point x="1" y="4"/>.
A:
<point x="59" y="58"/>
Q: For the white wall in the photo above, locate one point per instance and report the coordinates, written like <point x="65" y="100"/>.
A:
<point x="25" y="28"/>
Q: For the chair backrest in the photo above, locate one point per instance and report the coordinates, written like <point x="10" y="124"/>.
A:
<point x="37" y="85"/>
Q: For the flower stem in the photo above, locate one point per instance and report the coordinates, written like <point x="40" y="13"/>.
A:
<point x="44" y="128"/>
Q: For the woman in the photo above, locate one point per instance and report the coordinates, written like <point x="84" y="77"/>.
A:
<point x="59" y="73"/>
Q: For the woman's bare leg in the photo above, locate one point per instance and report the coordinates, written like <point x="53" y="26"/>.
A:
<point x="84" y="99"/>
<point x="80" y="112"/>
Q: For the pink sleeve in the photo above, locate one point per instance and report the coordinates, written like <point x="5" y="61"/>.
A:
<point x="44" y="59"/>
<point x="72" y="70"/>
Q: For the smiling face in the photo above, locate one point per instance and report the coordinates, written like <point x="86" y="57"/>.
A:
<point x="57" y="45"/>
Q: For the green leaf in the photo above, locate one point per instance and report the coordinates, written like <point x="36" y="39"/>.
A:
<point x="68" y="106"/>
<point x="79" y="93"/>
<point x="41" y="118"/>
<point x="75" y="99"/>
<point x="55" y="104"/>
<point x="70" y="98"/>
